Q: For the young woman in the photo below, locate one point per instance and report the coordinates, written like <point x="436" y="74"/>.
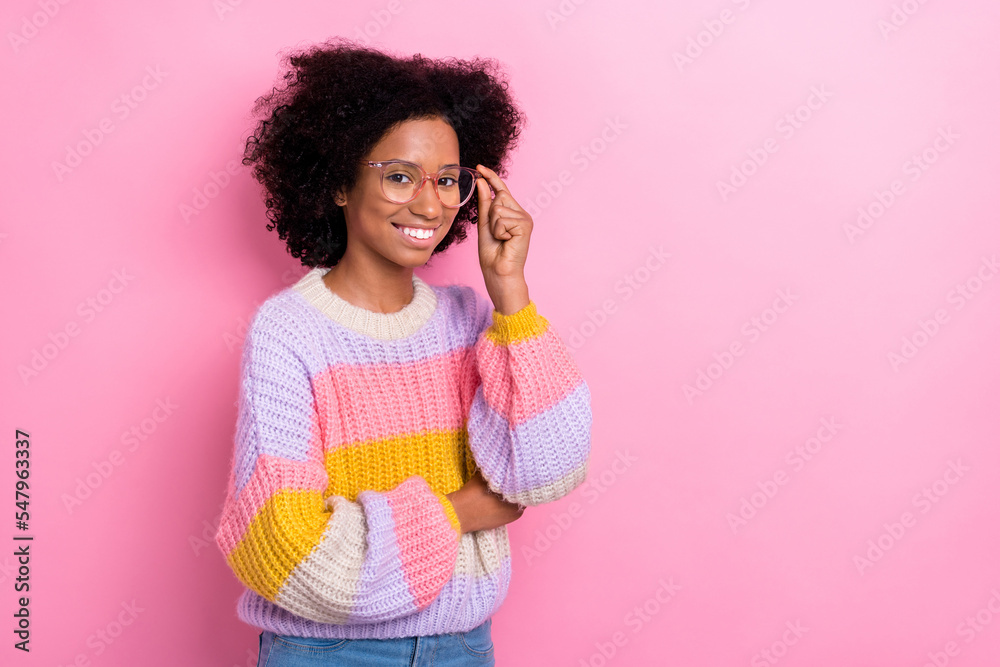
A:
<point x="389" y="429"/>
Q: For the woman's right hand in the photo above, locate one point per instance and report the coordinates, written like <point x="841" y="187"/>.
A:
<point x="478" y="508"/>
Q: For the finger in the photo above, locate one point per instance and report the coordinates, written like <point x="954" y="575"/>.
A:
<point x="485" y="201"/>
<point x="498" y="210"/>
<point x="492" y="178"/>
<point x="503" y="192"/>
<point x="511" y="205"/>
<point x="503" y="229"/>
<point x="505" y="221"/>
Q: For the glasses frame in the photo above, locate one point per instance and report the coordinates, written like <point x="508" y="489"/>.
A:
<point x="433" y="178"/>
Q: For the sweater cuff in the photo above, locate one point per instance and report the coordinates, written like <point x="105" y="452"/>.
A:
<point x="428" y="545"/>
<point x="525" y="323"/>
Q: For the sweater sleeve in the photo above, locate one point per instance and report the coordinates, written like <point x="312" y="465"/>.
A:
<point x="530" y="417"/>
<point x="328" y="559"/>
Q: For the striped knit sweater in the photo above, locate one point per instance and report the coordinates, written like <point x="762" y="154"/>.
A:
<point x="352" y="427"/>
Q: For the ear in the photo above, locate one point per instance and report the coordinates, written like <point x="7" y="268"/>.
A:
<point x="338" y="197"/>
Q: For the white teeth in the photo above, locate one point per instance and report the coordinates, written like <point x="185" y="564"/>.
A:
<point x="418" y="233"/>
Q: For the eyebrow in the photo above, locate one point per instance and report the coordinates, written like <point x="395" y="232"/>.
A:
<point x="399" y="159"/>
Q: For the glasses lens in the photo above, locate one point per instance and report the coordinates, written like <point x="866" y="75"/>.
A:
<point x="400" y="182"/>
<point x="455" y="186"/>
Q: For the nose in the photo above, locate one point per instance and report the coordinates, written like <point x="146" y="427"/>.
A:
<point x="427" y="203"/>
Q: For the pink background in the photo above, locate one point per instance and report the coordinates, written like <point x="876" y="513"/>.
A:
<point x="704" y="535"/>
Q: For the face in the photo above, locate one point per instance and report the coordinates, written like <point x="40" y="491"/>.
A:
<point x="375" y="224"/>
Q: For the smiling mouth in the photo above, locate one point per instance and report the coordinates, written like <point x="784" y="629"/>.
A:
<point x="419" y="233"/>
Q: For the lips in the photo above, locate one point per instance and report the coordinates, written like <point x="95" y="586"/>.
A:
<point x="398" y="226"/>
<point x="422" y="233"/>
<point x="427" y="233"/>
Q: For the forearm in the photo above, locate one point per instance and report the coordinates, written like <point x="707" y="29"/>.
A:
<point x="468" y="518"/>
<point x="529" y="423"/>
<point x="509" y="295"/>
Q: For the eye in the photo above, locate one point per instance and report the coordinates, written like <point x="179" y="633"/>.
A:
<point x="448" y="181"/>
<point x="398" y="177"/>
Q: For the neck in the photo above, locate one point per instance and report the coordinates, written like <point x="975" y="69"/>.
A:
<point x="376" y="291"/>
<point x="381" y="326"/>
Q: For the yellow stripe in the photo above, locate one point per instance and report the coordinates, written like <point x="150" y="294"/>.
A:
<point x="440" y="457"/>
<point x="449" y="511"/>
<point x="470" y="460"/>
<point x="281" y="535"/>
<point x="525" y="323"/>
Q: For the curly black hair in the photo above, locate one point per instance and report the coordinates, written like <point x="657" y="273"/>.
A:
<point x="339" y="100"/>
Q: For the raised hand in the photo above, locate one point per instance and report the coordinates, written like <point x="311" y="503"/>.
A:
<point x="504" y="230"/>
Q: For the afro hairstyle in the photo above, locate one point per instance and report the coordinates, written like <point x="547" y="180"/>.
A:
<point x="339" y="99"/>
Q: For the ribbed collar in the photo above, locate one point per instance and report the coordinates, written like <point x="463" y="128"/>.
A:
<point x="384" y="326"/>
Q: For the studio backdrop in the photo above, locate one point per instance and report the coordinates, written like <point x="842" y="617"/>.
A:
<point x="767" y="232"/>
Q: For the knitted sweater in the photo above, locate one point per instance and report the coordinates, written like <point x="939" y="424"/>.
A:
<point x="352" y="427"/>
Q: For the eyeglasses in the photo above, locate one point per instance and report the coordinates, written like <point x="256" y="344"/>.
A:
<point x="402" y="181"/>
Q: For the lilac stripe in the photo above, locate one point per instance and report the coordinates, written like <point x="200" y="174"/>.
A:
<point x="454" y="610"/>
<point x="283" y="420"/>
<point x="492" y="587"/>
<point x="383" y="567"/>
<point x="494" y="445"/>
<point x="452" y="327"/>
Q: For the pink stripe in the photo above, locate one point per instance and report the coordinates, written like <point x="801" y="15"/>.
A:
<point x="382" y="398"/>
<point x="549" y="375"/>
<point x="421" y="541"/>
<point x="270" y="475"/>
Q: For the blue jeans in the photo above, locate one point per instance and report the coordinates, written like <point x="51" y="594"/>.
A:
<point x="459" y="649"/>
